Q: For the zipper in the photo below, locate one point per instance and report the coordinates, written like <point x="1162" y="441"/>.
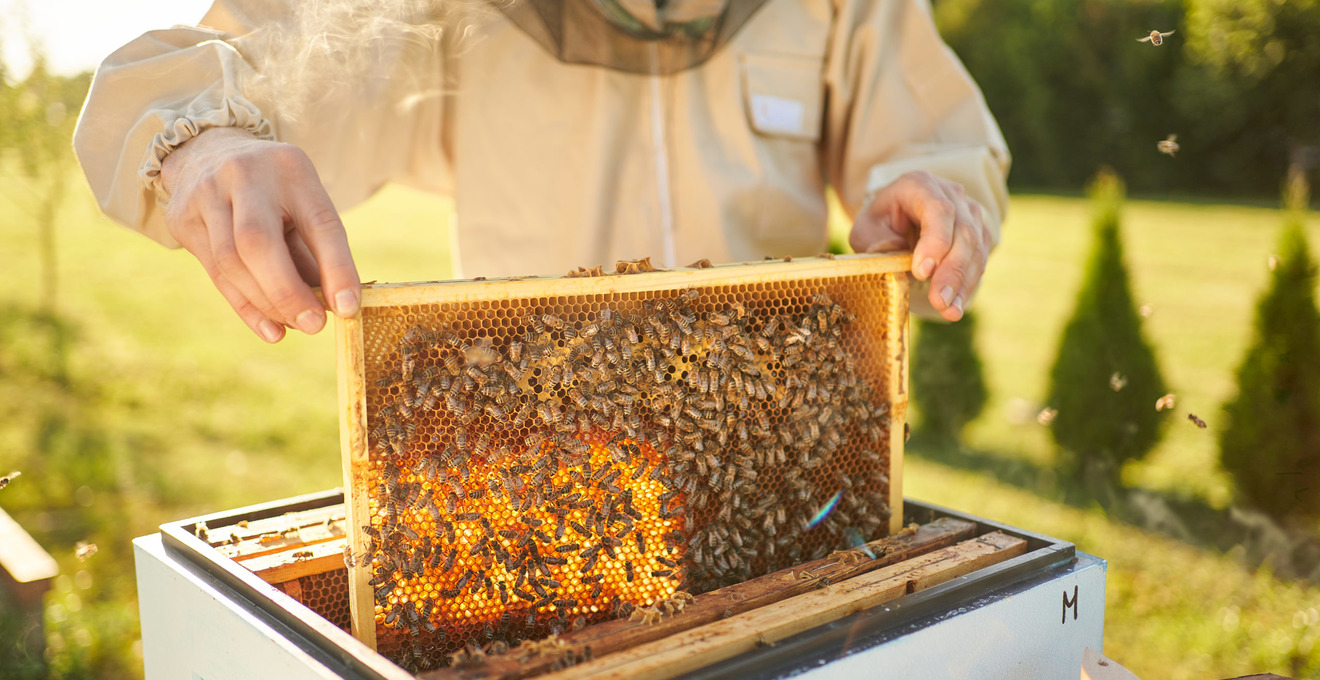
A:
<point x="661" y="153"/>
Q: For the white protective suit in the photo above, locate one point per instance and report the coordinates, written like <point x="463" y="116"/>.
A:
<point x="554" y="165"/>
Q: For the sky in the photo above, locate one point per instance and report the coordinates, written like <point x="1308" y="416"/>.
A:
<point x="77" y="34"/>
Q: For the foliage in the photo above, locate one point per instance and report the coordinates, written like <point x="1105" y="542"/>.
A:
<point x="1073" y="90"/>
<point x="1254" y="64"/>
<point x="1105" y="381"/>
<point x="35" y="128"/>
<point x="948" y="385"/>
<point x="1271" y="438"/>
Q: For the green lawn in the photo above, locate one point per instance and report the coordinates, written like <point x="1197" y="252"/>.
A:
<point x="170" y="407"/>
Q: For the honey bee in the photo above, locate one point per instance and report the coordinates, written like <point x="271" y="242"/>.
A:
<point x="301" y="555"/>
<point x="1168" y="145"/>
<point x="84" y="550"/>
<point x="1165" y="402"/>
<point x="1155" y="38"/>
<point x="1199" y="423"/>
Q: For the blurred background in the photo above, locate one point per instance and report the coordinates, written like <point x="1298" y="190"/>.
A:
<point x="132" y="396"/>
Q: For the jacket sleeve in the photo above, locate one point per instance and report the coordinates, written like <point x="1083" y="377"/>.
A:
<point x="165" y="87"/>
<point x="899" y="100"/>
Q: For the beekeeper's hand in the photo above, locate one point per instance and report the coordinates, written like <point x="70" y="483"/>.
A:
<point x="944" y="227"/>
<point x="254" y="213"/>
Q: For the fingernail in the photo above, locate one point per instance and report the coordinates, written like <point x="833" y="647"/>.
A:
<point x="346" y="302"/>
<point x="958" y="304"/>
<point x="946" y="294"/>
<point x="309" y="322"/>
<point x="269" y="331"/>
<point x="926" y="268"/>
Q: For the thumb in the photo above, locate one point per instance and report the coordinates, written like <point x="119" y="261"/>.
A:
<point x="875" y="233"/>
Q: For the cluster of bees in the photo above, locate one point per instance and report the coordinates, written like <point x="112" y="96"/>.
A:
<point x="589" y="468"/>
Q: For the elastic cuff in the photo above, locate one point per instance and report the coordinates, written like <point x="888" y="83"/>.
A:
<point x="235" y="112"/>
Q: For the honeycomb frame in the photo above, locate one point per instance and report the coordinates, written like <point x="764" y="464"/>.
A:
<point x="872" y="289"/>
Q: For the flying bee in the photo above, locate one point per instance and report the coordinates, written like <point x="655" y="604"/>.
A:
<point x="84" y="550"/>
<point x="1169" y="145"/>
<point x="1155" y="38"/>
<point x="1165" y="402"/>
<point x="1199" y="423"/>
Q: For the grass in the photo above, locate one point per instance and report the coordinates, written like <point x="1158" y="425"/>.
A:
<point x="145" y="400"/>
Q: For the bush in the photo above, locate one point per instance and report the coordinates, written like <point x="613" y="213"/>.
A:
<point x="948" y="387"/>
<point x="1105" y="380"/>
<point x="1271" y="438"/>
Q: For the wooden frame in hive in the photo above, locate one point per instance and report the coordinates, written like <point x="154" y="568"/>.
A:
<point x="670" y="464"/>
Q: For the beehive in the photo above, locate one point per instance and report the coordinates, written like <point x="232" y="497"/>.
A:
<point x="525" y="456"/>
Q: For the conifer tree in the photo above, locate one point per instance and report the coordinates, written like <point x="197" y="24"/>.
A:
<point x="1105" y="380"/>
<point x="948" y="385"/>
<point x="1271" y="437"/>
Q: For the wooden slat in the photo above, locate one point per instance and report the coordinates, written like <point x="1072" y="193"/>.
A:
<point x="291" y="563"/>
<point x="274" y="534"/>
<point x="353" y="444"/>
<point x="705" y="645"/>
<point x="896" y="337"/>
<point x="390" y="294"/>
<point x="612" y="636"/>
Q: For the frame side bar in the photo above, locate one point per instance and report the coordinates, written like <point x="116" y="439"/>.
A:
<point x="353" y="444"/>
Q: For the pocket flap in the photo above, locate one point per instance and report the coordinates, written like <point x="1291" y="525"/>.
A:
<point x="783" y="95"/>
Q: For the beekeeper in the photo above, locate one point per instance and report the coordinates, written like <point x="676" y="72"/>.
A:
<point x="567" y="132"/>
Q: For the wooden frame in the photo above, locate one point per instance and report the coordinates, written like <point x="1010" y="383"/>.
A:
<point x="352" y="386"/>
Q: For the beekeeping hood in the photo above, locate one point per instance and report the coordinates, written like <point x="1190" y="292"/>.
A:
<point x="636" y="36"/>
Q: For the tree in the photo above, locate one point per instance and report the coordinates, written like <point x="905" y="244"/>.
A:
<point x="1254" y="64"/>
<point x="1271" y="438"/>
<point x="948" y="386"/>
<point x="1105" y="380"/>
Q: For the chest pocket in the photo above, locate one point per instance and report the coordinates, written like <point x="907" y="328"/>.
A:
<point x="783" y="95"/>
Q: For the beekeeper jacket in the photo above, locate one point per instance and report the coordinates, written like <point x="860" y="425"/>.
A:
<point x="553" y="165"/>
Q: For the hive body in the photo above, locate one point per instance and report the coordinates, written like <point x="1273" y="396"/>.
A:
<point x="524" y="457"/>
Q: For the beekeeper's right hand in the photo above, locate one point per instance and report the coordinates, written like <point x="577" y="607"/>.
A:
<point x="255" y="214"/>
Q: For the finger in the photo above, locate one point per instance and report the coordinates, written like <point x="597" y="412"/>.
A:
<point x="259" y="239"/>
<point x="922" y="200"/>
<point x="314" y="216"/>
<point x="219" y="218"/>
<point x="984" y="245"/>
<point x="874" y="234"/>
<point x="960" y="270"/>
<point x="303" y="260"/>
<point x="196" y="243"/>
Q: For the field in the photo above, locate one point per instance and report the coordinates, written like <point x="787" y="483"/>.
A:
<point x="145" y="400"/>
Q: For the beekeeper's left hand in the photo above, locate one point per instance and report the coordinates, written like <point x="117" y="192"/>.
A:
<point x="944" y="227"/>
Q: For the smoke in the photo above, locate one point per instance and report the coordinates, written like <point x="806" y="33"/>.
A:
<point x="389" y="52"/>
